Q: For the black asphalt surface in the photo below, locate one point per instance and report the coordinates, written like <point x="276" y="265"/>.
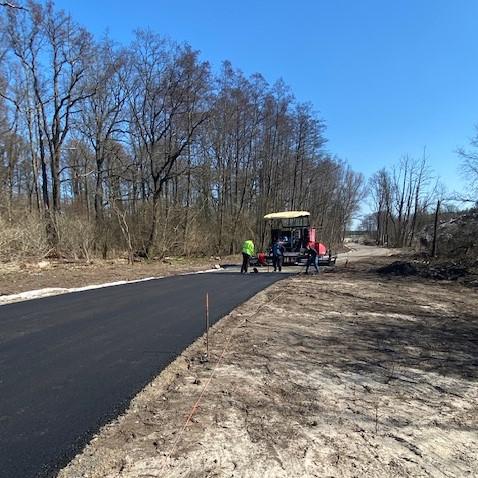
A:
<point x="71" y="363"/>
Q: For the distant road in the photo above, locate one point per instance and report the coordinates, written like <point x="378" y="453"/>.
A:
<point x="360" y="251"/>
<point x="71" y="363"/>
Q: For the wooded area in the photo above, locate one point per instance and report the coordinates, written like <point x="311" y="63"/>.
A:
<point x="402" y="199"/>
<point x="107" y="149"/>
<point x="407" y="199"/>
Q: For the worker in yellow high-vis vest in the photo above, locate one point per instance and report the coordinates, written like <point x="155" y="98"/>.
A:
<point x="247" y="253"/>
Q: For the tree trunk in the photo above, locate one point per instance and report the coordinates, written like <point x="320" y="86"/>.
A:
<point x="435" y="227"/>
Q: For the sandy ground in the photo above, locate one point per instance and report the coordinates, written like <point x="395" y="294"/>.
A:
<point x="345" y="374"/>
<point x="359" y="252"/>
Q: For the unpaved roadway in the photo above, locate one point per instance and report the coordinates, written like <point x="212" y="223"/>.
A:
<point x="345" y="374"/>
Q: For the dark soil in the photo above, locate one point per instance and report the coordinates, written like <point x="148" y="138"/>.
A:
<point x="463" y="270"/>
<point x="399" y="268"/>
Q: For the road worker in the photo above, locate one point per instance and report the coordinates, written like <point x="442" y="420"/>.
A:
<point x="277" y="255"/>
<point x="247" y="253"/>
<point x="312" y="258"/>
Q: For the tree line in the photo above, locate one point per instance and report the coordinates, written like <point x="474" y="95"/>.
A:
<point x="404" y="199"/>
<point x="142" y="148"/>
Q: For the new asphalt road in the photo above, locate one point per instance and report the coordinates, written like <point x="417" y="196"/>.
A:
<point x="71" y="363"/>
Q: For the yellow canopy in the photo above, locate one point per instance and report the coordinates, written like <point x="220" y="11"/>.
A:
<point x="287" y="215"/>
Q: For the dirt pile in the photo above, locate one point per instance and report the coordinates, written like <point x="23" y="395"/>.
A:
<point x="465" y="271"/>
<point x="399" y="268"/>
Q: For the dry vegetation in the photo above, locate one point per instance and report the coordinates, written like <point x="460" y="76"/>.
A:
<point x="141" y="150"/>
<point x="344" y="374"/>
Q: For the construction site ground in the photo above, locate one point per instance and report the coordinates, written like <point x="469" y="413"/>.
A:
<point x="344" y="374"/>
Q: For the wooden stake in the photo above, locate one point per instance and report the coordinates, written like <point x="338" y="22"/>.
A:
<point x="207" y="325"/>
<point x="435" y="226"/>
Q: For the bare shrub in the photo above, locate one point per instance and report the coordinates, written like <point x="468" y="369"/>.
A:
<point x="76" y="237"/>
<point x="22" y="238"/>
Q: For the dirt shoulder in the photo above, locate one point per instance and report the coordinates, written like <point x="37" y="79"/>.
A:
<point x="16" y="277"/>
<point x="343" y="374"/>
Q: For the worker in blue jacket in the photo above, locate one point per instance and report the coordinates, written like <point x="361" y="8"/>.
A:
<point x="277" y="255"/>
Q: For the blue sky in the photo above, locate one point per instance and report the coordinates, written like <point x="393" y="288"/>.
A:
<point x="388" y="77"/>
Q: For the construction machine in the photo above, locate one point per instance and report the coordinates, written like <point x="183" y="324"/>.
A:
<point x="293" y="230"/>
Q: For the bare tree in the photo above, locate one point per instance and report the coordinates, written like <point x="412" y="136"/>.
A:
<point x="103" y="115"/>
<point x="12" y="6"/>
<point x="168" y="103"/>
<point x="54" y="53"/>
<point x="469" y="168"/>
<point x="142" y="149"/>
<point x="401" y="198"/>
